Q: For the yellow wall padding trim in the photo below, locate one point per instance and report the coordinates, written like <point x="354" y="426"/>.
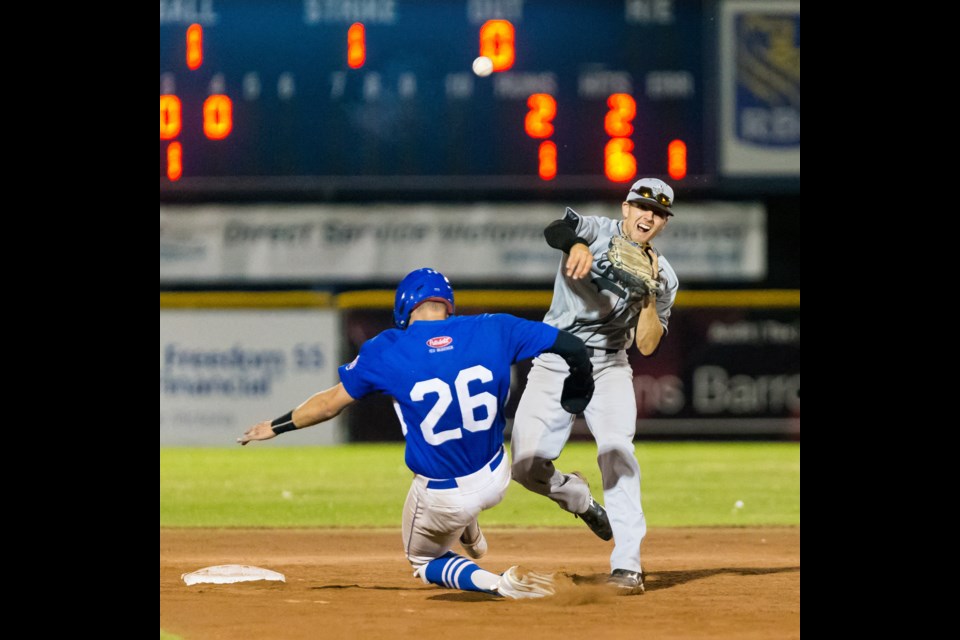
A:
<point x="761" y="298"/>
<point x="765" y="298"/>
<point x="244" y="299"/>
<point x="496" y="299"/>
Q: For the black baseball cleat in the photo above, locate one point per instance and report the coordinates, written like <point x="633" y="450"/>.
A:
<point x="630" y="582"/>
<point x="595" y="516"/>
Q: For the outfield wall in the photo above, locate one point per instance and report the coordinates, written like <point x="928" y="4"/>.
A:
<point x="730" y="366"/>
<point x="222" y="370"/>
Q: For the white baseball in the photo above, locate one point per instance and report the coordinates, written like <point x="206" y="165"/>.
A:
<point x="483" y="66"/>
<point x="738" y="504"/>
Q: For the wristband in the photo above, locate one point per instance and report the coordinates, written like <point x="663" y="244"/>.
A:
<point x="283" y="424"/>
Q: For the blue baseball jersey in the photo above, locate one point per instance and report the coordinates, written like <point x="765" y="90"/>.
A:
<point x="450" y="380"/>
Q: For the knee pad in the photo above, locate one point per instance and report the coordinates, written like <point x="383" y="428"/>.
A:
<point x="534" y="473"/>
<point x="616" y="464"/>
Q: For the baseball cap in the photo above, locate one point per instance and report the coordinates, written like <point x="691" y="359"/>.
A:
<point x="655" y="193"/>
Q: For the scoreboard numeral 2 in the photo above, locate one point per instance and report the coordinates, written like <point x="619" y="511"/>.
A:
<point x="620" y="165"/>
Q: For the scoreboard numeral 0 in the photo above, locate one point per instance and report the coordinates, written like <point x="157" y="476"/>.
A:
<point x="497" y="43"/>
<point x="217" y="117"/>
<point x="170" y="118"/>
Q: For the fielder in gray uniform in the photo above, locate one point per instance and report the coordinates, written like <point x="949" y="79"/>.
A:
<point x="609" y="317"/>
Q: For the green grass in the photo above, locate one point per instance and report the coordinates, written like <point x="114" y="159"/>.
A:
<point x="364" y="485"/>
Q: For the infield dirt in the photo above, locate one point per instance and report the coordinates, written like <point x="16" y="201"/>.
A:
<point x="714" y="583"/>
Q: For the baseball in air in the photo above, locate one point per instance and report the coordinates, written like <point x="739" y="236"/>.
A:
<point x="483" y="66"/>
<point x="738" y="504"/>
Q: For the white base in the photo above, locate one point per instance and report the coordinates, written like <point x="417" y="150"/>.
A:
<point x="229" y="574"/>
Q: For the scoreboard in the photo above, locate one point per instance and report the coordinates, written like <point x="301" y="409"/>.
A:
<point x="269" y="96"/>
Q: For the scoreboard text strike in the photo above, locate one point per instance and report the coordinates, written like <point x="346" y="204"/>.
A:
<point x="585" y="94"/>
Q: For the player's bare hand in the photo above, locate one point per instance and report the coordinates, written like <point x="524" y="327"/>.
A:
<point x="579" y="261"/>
<point x="259" y="431"/>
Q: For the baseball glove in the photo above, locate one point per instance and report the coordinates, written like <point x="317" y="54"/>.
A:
<point x="577" y="389"/>
<point x="634" y="266"/>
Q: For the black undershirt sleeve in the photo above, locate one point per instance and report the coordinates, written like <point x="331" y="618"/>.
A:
<point x="571" y="348"/>
<point x="561" y="235"/>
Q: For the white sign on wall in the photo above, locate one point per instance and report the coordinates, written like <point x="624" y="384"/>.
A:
<point x="484" y="242"/>
<point x="223" y="371"/>
<point x="759" y="51"/>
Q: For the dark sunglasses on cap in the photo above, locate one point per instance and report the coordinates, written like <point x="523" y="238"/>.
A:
<point x="647" y="192"/>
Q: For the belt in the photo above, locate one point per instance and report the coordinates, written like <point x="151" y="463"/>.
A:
<point x="451" y="483"/>
<point x="593" y="352"/>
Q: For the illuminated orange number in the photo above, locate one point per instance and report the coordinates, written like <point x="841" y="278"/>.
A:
<point x="619" y="164"/>
<point x="496" y="43"/>
<point x="619" y="120"/>
<point x="677" y="159"/>
<point x="170" y="122"/>
<point x="174" y="161"/>
<point x="194" y="46"/>
<point x="217" y="117"/>
<point x="356" y="45"/>
<point x="539" y="120"/>
<point x="548" y="160"/>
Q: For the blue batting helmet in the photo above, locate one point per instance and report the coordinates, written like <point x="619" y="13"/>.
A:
<point x="418" y="287"/>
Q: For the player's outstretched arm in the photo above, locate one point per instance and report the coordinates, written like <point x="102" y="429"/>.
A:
<point x="260" y="431"/>
<point x="320" y="407"/>
<point x="561" y="235"/>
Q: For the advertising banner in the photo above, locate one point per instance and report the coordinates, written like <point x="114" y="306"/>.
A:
<point x="720" y="372"/>
<point x="221" y="371"/>
<point x="759" y="88"/>
<point x="337" y="244"/>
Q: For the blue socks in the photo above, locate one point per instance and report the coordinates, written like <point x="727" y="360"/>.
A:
<point x="456" y="572"/>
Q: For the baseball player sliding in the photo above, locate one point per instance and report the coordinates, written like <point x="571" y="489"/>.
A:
<point x="613" y="289"/>
<point x="449" y="377"/>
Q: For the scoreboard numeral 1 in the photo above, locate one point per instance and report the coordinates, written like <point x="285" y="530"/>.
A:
<point x="548" y="160"/>
<point x="356" y="45"/>
<point x="174" y="161"/>
<point x="677" y="159"/>
<point x="194" y="46"/>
